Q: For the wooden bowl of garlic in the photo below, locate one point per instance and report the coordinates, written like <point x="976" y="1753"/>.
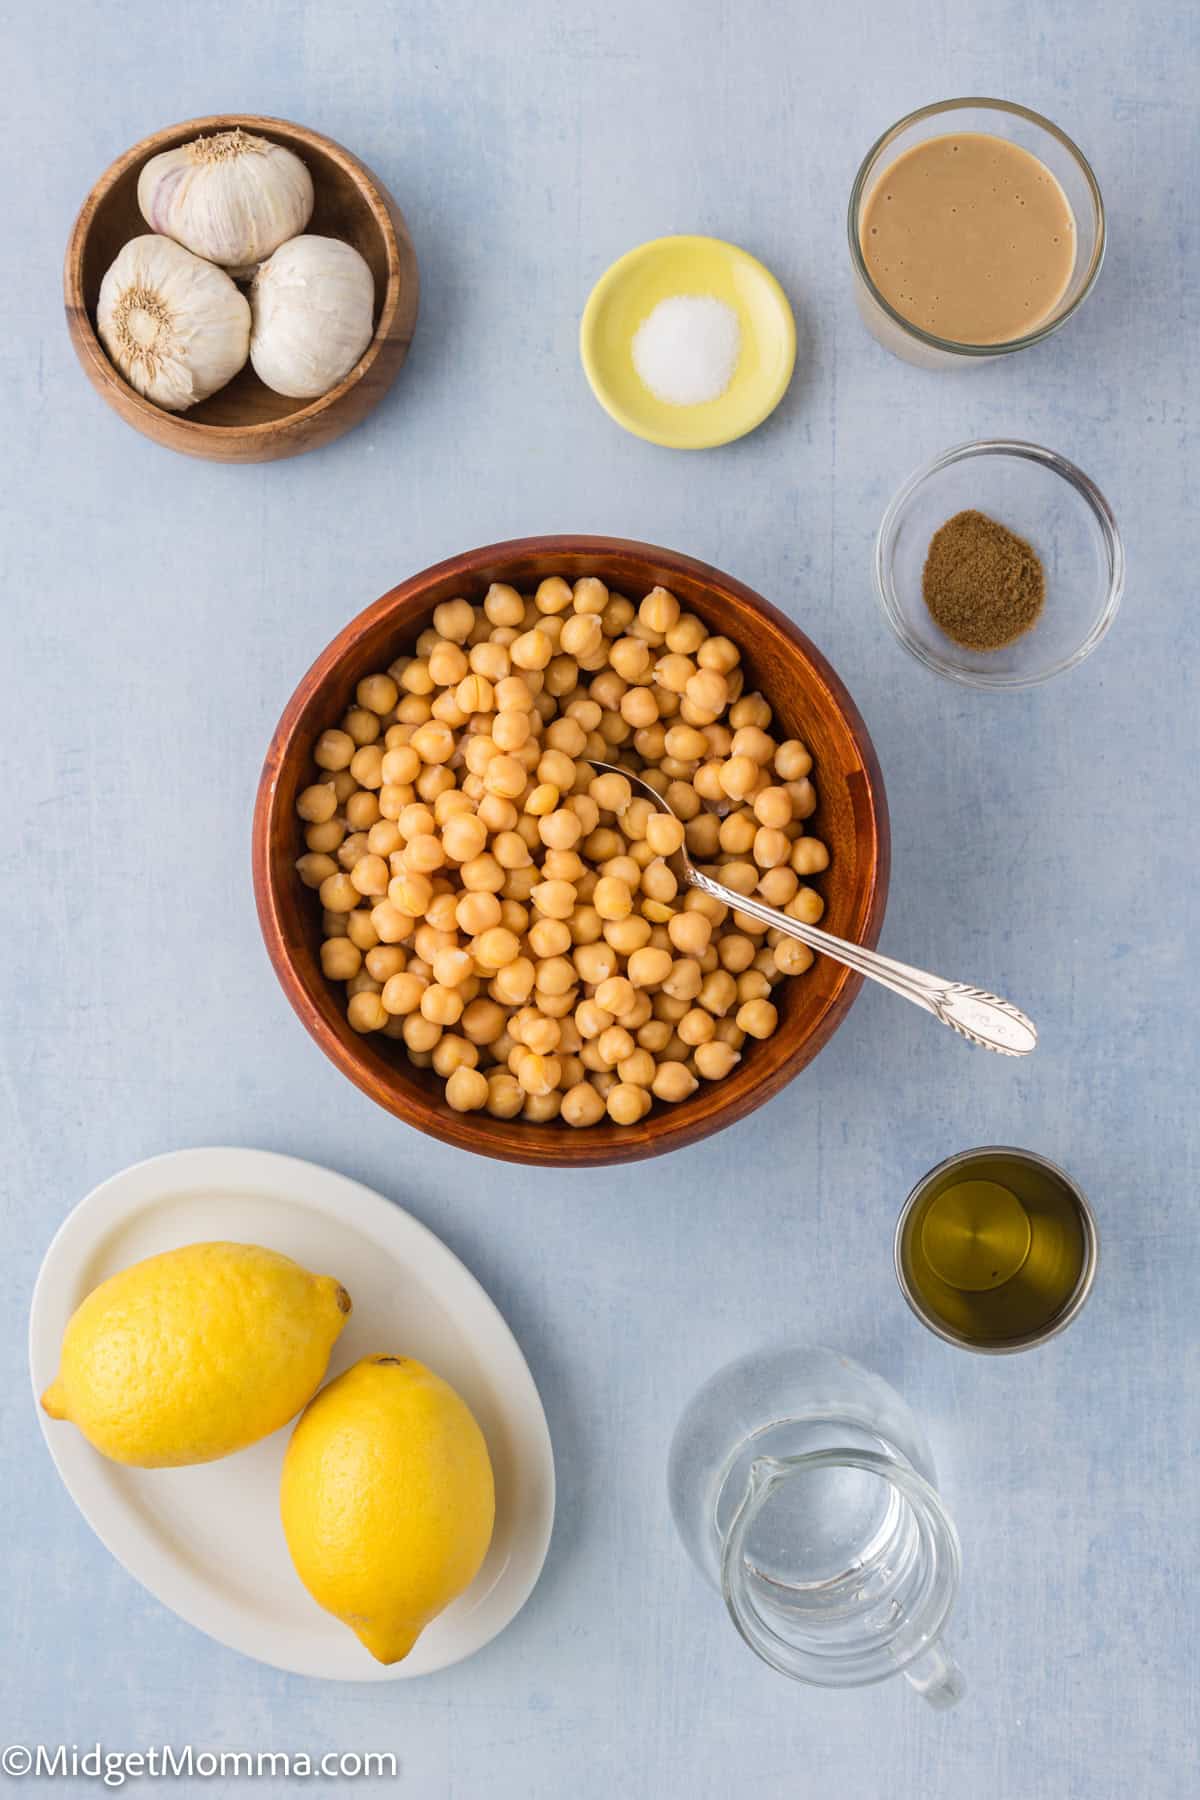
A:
<point x="240" y="288"/>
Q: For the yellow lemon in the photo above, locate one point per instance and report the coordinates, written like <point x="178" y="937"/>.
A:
<point x="195" y="1353"/>
<point x="387" y="1500"/>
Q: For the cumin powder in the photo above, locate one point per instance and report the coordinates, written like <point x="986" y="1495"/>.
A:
<point x="983" y="585"/>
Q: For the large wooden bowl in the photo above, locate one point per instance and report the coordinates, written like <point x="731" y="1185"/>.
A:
<point x="245" y="422"/>
<point x="809" y="701"/>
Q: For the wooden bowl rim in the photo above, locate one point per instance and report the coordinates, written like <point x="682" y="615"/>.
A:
<point x="604" y="1143"/>
<point x="377" y="197"/>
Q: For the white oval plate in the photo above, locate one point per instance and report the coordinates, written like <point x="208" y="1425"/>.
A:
<point x="207" y="1541"/>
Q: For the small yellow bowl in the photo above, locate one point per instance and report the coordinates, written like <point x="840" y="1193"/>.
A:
<point x="629" y="291"/>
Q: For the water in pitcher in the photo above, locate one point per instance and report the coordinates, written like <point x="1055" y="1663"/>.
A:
<point x="803" y="1487"/>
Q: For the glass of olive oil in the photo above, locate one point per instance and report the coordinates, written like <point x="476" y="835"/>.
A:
<point x="996" y="1249"/>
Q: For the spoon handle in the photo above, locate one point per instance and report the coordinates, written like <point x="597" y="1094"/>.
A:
<point x="984" y="1018"/>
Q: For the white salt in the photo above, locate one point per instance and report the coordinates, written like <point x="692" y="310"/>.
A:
<point x="687" y="349"/>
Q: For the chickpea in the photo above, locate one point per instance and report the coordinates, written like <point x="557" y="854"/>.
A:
<point x="561" y="830"/>
<point x="809" y="856"/>
<point x="718" y="993"/>
<point x="673" y="1081"/>
<point x="750" y="740"/>
<point x="556" y="899"/>
<point x="464" y="837"/>
<point x="506" y="1097"/>
<point x="541" y="1107"/>
<point x="612" y="898"/>
<point x="366" y="766"/>
<point x="689" y="933"/>
<point x="778" y="886"/>
<point x="391" y="926"/>
<point x="482" y="875"/>
<point x="362" y="811"/>
<point x="617" y="995"/>
<point x="614" y="1044"/>
<point x="338" y="893"/>
<point x="582" y="1105"/>
<point x="450" y="1053"/>
<point x="791" y="957"/>
<point x="314" y="870"/>
<point x="637" y="1068"/>
<point x="385" y="960"/>
<point x="683" y="979"/>
<point x="538" y="1075"/>
<point x="482" y="1021"/>
<point x="318" y="803"/>
<point x="454" y="619"/>
<point x="649" y="967"/>
<point x="402" y="993"/>
<point x="715" y="1059"/>
<point x="803" y="797"/>
<point x="707" y="692"/>
<point x="696" y="1027"/>
<point x="511" y="730"/>
<point x="361" y="930"/>
<point x="532" y="650"/>
<point x="658" y="883"/>
<point x="772" y="848"/>
<point x="735" y="951"/>
<point x="452" y="966"/>
<point x="505" y="776"/>
<point x="513" y="984"/>
<point x="757" y="1018"/>
<point x="365" y="1012"/>
<point x="550" y="937"/>
<point x="664" y="834"/>
<point x="627" y="935"/>
<point x="370" y="876"/>
<point x="420" y="1033"/>
<point x="334" y="750"/>
<point x="340" y="959"/>
<point x="594" y="963"/>
<point x="433" y="742"/>
<point x="806" y="905"/>
<point x="411" y="892"/>
<point x="627" y="1103"/>
<point x="495" y="948"/>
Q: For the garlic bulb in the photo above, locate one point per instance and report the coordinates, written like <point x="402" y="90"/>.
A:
<point x="314" y="307"/>
<point x="232" y="198"/>
<point x="175" y="326"/>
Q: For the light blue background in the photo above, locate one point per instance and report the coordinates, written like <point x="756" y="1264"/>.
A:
<point x="158" y="612"/>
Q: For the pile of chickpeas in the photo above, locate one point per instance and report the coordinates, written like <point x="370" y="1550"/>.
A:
<point x="511" y="914"/>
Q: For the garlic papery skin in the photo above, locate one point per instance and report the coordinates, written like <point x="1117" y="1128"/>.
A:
<point x="175" y="326"/>
<point x="314" y="309"/>
<point x="232" y="198"/>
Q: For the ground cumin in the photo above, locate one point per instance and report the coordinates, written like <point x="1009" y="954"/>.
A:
<point x="983" y="585"/>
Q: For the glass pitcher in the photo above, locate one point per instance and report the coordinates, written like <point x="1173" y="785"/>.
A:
<point x="803" y="1487"/>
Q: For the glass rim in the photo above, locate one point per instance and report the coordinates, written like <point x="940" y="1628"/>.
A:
<point x="857" y="1665"/>
<point x="1101" y="512"/>
<point x="1075" y="1301"/>
<point x="952" y="346"/>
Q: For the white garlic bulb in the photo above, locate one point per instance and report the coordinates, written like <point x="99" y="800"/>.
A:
<point x="314" y="308"/>
<point x="175" y="326"/>
<point x="232" y="198"/>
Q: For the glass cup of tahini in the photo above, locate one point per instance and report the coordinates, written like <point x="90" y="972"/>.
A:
<point x="976" y="229"/>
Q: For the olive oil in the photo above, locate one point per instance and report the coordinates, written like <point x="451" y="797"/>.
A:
<point x="996" y="1249"/>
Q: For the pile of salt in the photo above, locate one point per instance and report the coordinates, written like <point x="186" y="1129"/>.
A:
<point x="687" y="349"/>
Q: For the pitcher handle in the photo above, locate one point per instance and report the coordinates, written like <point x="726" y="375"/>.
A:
<point x="937" y="1678"/>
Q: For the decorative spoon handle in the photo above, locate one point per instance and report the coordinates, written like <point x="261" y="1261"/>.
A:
<point x="984" y="1018"/>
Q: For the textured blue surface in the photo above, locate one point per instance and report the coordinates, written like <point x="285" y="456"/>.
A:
<point x="157" y="613"/>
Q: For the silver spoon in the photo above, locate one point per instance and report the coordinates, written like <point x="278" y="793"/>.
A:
<point x="984" y="1018"/>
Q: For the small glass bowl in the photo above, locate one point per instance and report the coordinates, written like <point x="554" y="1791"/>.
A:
<point x="1044" y="499"/>
<point x="1043" y="139"/>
